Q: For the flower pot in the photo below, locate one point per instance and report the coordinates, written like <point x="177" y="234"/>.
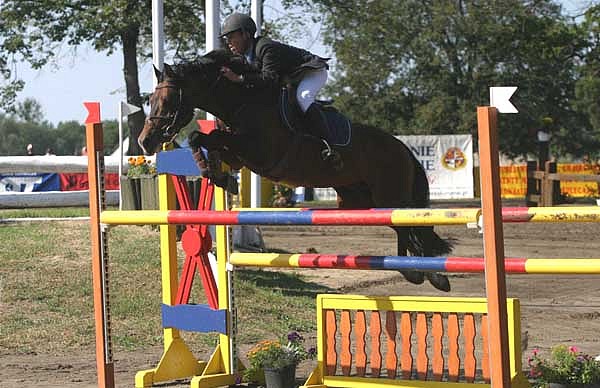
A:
<point x="130" y="193"/>
<point x="281" y="378"/>
<point x="149" y="192"/>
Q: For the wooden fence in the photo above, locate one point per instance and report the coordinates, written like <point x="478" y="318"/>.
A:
<point x="543" y="187"/>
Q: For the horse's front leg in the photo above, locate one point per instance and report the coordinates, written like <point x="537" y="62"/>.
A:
<point x="213" y="141"/>
<point x="221" y="178"/>
<point x="210" y="165"/>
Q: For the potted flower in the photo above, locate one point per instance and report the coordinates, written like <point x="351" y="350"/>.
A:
<point x="566" y="367"/>
<point x="139" y="189"/>
<point x="274" y="362"/>
<point x="282" y="196"/>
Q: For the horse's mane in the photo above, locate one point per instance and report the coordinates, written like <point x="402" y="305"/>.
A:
<point x="216" y="58"/>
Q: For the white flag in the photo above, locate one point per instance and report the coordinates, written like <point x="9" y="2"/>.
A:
<point x="127" y="109"/>
<point x="500" y="98"/>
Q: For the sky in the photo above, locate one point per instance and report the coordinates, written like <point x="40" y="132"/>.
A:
<point x="92" y="76"/>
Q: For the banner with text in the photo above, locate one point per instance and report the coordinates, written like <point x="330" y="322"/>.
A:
<point x="28" y="182"/>
<point x="513" y="180"/>
<point x="448" y="162"/>
<point x="34" y="182"/>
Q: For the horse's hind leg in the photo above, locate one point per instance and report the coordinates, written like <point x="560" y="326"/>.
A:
<point x="416" y="277"/>
<point x="359" y="197"/>
<point x="420" y="241"/>
<point x="434" y="246"/>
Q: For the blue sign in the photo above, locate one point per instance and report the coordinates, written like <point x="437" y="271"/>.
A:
<point x="29" y="182"/>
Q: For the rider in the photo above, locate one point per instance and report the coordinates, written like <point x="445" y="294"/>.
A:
<point x="276" y="63"/>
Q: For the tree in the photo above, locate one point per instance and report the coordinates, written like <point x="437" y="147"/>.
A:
<point x="422" y="66"/>
<point x="34" y="30"/>
<point x="16" y="134"/>
<point x="588" y="85"/>
<point x="30" y="111"/>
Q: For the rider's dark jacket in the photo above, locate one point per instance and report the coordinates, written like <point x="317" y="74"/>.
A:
<point x="276" y="63"/>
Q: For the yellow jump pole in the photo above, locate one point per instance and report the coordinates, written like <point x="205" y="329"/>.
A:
<point x="221" y="369"/>
<point x="95" y="146"/>
<point x="493" y="247"/>
<point x="177" y="361"/>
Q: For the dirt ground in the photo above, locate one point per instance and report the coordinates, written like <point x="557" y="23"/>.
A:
<point x="555" y="309"/>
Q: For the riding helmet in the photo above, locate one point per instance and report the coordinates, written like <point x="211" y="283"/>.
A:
<point x="238" y="21"/>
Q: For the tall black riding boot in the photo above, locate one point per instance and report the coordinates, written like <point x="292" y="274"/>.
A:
<point x="317" y="126"/>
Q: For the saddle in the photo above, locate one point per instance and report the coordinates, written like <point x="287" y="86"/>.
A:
<point x="339" y="127"/>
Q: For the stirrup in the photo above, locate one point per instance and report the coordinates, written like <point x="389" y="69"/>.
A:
<point x="327" y="152"/>
<point x="332" y="157"/>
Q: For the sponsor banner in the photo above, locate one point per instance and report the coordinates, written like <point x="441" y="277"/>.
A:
<point x="574" y="188"/>
<point x="79" y="181"/>
<point x="448" y="162"/>
<point x="73" y="181"/>
<point x="29" y="182"/>
<point x="513" y="181"/>
<point x="32" y="182"/>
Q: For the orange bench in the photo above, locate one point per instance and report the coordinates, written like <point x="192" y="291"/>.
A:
<point x="407" y="341"/>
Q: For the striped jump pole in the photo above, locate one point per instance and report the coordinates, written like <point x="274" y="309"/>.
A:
<point x="512" y="265"/>
<point x="370" y="217"/>
<point x="551" y="214"/>
<point x="373" y="217"/>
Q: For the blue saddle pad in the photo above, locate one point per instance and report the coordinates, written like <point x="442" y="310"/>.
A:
<point x="340" y="129"/>
<point x="339" y="126"/>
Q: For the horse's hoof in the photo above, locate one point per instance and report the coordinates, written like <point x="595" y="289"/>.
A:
<point x="414" y="277"/>
<point x="439" y="281"/>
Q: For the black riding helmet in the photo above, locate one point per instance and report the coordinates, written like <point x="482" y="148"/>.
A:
<point x="238" y="21"/>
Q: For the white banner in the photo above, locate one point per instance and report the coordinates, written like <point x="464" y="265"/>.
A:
<point x="448" y="162"/>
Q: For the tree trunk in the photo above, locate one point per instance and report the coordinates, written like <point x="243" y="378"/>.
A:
<point x="132" y="85"/>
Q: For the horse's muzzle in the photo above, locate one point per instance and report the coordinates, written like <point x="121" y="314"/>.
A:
<point x="150" y="140"/>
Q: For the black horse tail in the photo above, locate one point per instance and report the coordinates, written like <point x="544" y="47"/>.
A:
<point x="422" y="240"/>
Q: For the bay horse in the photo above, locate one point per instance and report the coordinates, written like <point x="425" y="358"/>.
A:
<point x="379" y="171"/>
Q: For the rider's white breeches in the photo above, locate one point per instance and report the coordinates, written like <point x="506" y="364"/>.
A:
<point x="310" y="85"/>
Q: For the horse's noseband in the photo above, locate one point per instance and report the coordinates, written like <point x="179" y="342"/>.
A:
<point x="170" y="131"/>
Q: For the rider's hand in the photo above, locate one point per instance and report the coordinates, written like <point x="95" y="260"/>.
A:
<point x="230" y="75"/>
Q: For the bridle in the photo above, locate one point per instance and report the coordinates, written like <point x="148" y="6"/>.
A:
<point x="170" y="130"/>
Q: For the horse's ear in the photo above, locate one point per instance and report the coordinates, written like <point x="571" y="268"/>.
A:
<point x="158" y="74"/>
<point x="169" y="72"/>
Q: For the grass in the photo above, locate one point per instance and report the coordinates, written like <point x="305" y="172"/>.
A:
<point x="46" y="295"/>
<point x="62" y="212"/>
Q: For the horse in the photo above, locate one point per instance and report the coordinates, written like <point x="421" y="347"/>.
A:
<point x="379" y="171"/>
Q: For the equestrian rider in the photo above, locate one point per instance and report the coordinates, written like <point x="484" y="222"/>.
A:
<point x="276" y="63"/>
